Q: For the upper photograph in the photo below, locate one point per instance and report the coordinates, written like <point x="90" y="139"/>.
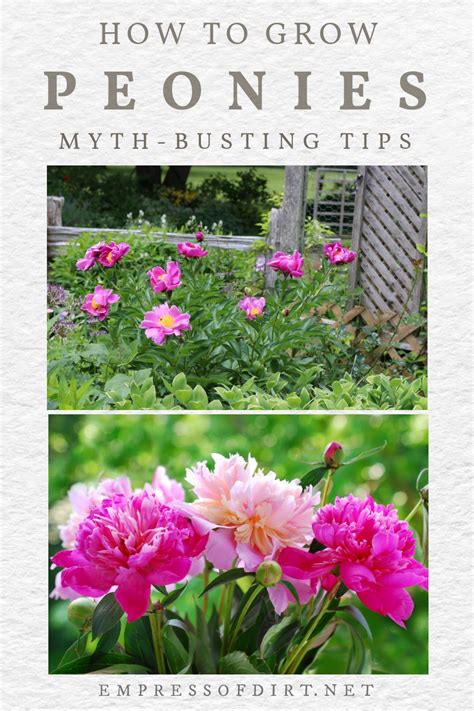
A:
<point x="237" y="288"/>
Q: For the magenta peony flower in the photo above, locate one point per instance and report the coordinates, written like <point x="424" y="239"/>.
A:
<point x="130" y="543"/>
<point x="163" y="321"/>
<point x="199" y="236"/>
<point x="191" y="251"/>
<point x="90" y="257"/>
<point x="112" y="253"/>
<point x="165" y="279"/>
<point x="98" y="303"/>
<point x="369" y="549"/>
<point x="250" y="514"/>
<point x="291" y="264"/>
<point x="252" y="306"/>
<point x="337" y="254"/>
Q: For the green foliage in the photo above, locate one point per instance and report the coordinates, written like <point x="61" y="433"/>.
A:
<point x="286" y="359"/>
<point x="97" y="196"/>
<point x="85" y="447"/>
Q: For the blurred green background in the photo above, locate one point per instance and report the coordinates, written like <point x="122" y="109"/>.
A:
<point x="84" y="448"/>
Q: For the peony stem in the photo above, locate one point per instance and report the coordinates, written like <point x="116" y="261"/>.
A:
<point x="297" y="655"/>
<point x="241" y="618"/>
<point x="227" y="614"/>
<point x="155" y="624"/>
<point x="205" y="575"/>
<point x="327" y="487"/>
<point x="414" y="509"/>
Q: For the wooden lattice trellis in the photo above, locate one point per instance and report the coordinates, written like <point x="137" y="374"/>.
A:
<point x="397" y="339"/>
<point x="389" y="221"/>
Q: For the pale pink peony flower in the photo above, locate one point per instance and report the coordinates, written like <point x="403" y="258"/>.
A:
<point x="165" y="279"/>
<point x="252" y="306"/>
<point x="59" y="592"/>
<point x="191" y="251"/>
<point x="166" y="490"/>
<point x="291" y="264"/>
<point x="369" y="549"/>
<point x="337" y="254"/>
<point x="129" y="544"/>
<point x="98" y="303"/>
<point x="163" y="321"/>
<point x="250" y="515"/>
<point x="83" y="498"/>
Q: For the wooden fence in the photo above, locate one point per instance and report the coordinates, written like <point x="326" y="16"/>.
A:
<point x="389" y="222"/>
<point x="59" y="236"/>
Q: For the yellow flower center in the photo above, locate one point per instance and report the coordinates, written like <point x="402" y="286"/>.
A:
<point x="94" y="304"/>
<point x="162" y="277"/>
<point x="109" y="257"/>
<point x="254" y="311"/>
<point x="167" y="321"/>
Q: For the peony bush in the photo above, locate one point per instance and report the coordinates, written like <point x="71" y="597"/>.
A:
<point x="126" y="319"/>
<point x="276" y="566"/>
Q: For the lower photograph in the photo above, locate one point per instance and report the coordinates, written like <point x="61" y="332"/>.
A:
<point x="238" y="544"/>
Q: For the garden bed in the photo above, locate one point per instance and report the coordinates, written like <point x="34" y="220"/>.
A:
<point x="284" y="357"/>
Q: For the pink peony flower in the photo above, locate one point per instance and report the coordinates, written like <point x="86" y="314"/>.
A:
<point x="98" y="303"/>
<point x="369" y="549"/>
<point x="163" y="321"/>
<point x="191" y="251"/>
<point x="252" y="306"/>
<point x="165" y="279"/>
<point x="291" y="264"/>
<point x="199" y="236"/>
<point x="132" y="543"/>
<point x="337" y="254"/>
<point x="83" y="498"/>
<point x="112" y="253"/>
<point x="59" y="592"/>
<point x="90" y="257"/>
<point x="250" y="515"/>
<point x="166" y="490"/>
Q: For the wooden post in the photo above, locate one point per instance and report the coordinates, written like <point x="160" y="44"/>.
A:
<point x="357" y="227"/>
<point x="55" y="207"/>
<point x="293" y="209"/>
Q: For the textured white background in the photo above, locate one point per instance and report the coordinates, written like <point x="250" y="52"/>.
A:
<point x="425" y="36"/>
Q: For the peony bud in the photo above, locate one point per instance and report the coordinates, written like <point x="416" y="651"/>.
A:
<point x="268" y="573"/>
<point x="247" y="290"/>
<point x="199" y="236"/>
<point x="285" y="312"/>
<point x="79" y="612"/>
<point x="333" y="455"/>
